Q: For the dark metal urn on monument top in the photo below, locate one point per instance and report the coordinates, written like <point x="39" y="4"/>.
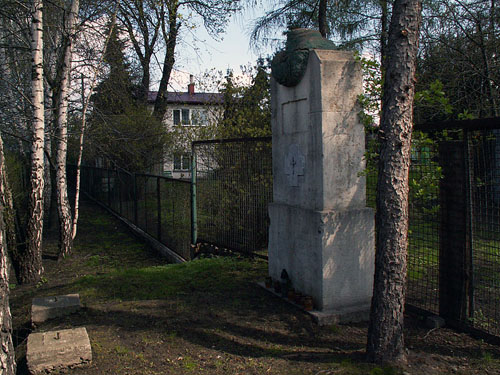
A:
<point x="288" y="66"/>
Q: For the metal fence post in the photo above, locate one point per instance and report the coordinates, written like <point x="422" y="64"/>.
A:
<point x="158" y="206"/>
<point x="119" y="182"/>
<point x="109" y="189"/>
<point x="194" y="223"/>
<point x="135" y="198"/>
<point x="454" y="236"/>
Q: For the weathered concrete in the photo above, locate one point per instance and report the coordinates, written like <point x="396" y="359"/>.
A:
<point x="44" y="308"/>
<point x="49" y="351"/>
<point x="320" y="117"/>
<point x="321" y="232"/>
<point x="328" y="317"/>
<point x="327" y="254"/>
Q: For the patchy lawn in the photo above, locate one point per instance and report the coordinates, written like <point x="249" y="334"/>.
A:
<point x="208" y="317"/>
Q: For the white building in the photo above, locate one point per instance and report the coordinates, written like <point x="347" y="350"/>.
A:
<point x="187" y="114"/>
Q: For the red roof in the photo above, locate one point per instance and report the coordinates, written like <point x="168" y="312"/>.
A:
<point x="186" y="98"/>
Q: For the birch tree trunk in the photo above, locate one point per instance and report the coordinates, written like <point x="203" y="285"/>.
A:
<point x="30" y="268"/>
<point x="7" y="354"/>
<point x="61" y="117"/>
<point x="85" y="103"/>
<point x="385" y="333"/>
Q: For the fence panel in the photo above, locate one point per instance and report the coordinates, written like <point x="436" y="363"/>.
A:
<point x="234" y="187"/>
<point x="424" y="224"/>
<point x="158" y="205"/>
<point x="176" y="215"/>
<point x="484" y="156"/>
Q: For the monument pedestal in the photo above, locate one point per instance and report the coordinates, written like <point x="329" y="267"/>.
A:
<point x="321" y="232"/>
<point x="327" y="254"/>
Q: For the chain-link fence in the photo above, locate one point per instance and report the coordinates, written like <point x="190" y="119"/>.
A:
<point x="159" y="206"/>
<point x="233" y="189"/>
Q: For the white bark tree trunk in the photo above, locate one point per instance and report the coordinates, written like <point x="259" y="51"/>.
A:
<point x="7" y="354"/>
<point x="85" y="103"/>
<point x="64" y="208"/>
<point x="31" y="266"/>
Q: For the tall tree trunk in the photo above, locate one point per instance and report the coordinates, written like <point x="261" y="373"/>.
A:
<point x="385" y="333"/>
<point x="7" y="200"/>
<point x="171" y="40"/>
<point x="31" y="267"/>
<point x="383" y="32"/>
<point x="7" y="354"/>
<point x="85" y="103"/>
<point x="61" y="117"/>
<point x="322" y="23"/>
<point x="47" y="188"/>
<point x="145" y="81"/>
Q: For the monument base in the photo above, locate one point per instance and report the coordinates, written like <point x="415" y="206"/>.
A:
<point x="328" y="255"/>
<point x="325" y="318"/>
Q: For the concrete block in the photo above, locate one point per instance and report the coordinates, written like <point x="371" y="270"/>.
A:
<point x="44" y="308"/>
<point x="55" y="350"/>
<point x="328" y="255"/>
<point x="345" y="316"/>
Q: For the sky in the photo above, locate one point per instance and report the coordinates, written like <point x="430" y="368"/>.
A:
<point x="199" y="52"/>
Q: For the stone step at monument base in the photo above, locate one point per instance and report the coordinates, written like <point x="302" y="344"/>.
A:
<point x="354" y="314"/>
<point x="56" y="350"/>
<point x="45" y="308"/>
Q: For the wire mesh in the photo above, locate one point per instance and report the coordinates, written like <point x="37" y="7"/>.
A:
<point x="158" y="205"/>
<point x="423" y="232"/>
<point x="484" y="154"/>
<point x="234" y="187"/>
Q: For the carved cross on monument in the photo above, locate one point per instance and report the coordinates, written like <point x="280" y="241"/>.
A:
<point x="294" y="164"/>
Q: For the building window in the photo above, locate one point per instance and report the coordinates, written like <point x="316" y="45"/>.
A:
<point x="177" y="116"/>
<point x="182" y="162"/>
<point x="188" y="117"/>
<point x="199" y="117"/>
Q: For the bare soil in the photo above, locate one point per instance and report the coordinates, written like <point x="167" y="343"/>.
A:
<point x="210" y="317"/>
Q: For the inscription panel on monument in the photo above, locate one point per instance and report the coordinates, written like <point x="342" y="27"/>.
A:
<point x="295" y="116"/>
<point x="295" y="162"/>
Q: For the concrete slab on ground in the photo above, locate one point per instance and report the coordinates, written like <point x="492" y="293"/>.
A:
<point x="44" y="308"/>
<point x="55" y="350"/>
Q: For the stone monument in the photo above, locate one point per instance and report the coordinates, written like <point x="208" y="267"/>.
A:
<point x="321" y="232"/>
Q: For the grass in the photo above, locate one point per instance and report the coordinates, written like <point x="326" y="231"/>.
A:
<point x="220" y="275"/>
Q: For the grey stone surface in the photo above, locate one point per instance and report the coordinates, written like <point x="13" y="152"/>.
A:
<point x="44" y="308"/>
<point x="328" y="317"/>
<point x="324" y="125"/>
<point x="328" y="255"/>
<point x="321" y="231"/>
<point x="354" y="314"/>
<point x="49" y="351"/>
